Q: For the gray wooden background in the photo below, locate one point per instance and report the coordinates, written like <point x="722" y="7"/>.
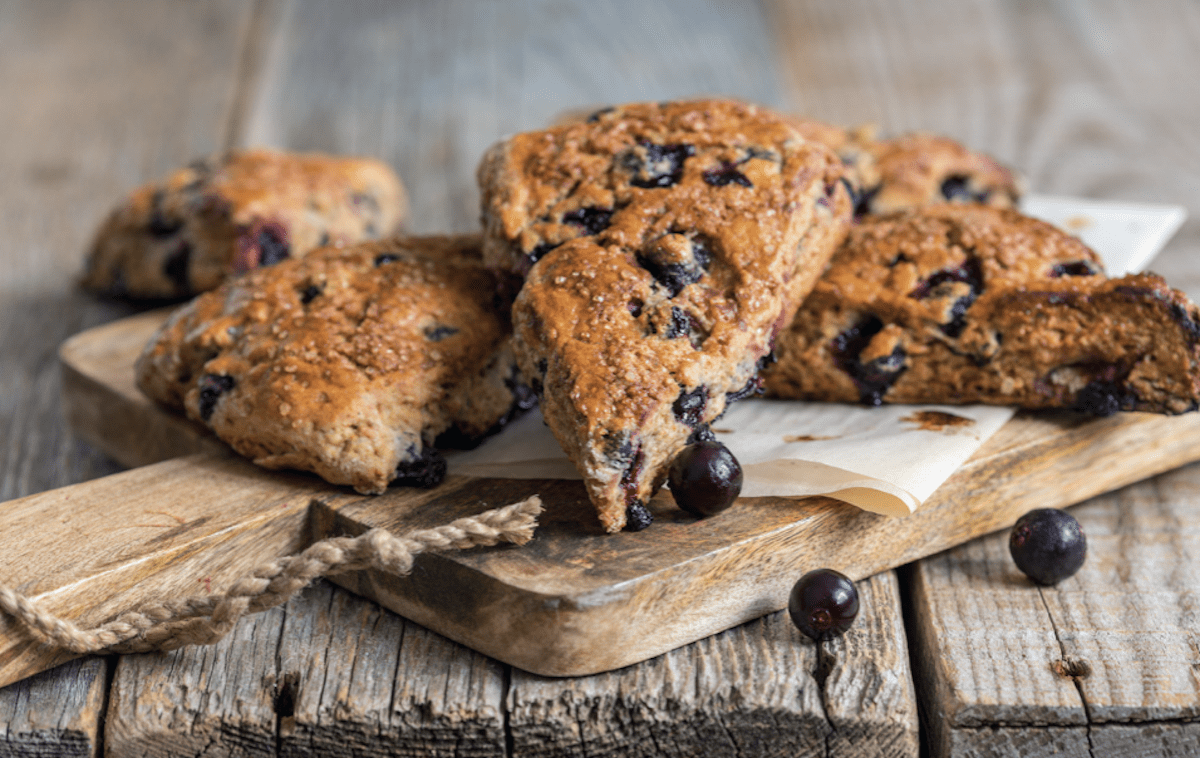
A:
<point x="956" y="655"/>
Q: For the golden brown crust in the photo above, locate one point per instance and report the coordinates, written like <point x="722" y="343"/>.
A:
<point x="347" y="363"/>
<point x="914" y="170"/>
<point x="969" y="304"/>
<point x="665" y="245"/>
<point x="233" y="212"/>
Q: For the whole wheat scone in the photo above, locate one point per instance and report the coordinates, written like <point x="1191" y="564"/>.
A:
<point x="236" y="211"/>
<point x="665" y="245"/>
<point x="914" y="170"/>
<point x="970" y="304"/>
<point x="348" y="362"/>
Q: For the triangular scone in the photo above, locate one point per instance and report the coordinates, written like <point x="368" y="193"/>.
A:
<point x="914" y="170"/>
<point x="236" y="211"/>
<point x="969" y="304"/>
<point x="665" y="246"/>
<point x="347" y="363"/>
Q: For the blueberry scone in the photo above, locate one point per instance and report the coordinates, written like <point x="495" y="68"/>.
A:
<point x="914" y="170"/>
<point x="664" y="247"/>
<point x="348" y="362"/>
<point x="238" y="211"/>
<point x="971" y="304"/>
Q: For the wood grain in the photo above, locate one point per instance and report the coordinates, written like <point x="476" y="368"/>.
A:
<point x="211" y="700"/>
<point x="547" y="606"/>
<point x="98" y="97"/>
<point x="57" y="712"/>
<point x="176" y="529"/>
<point x="1116" y="643"/>
<point x="759" y="689"/>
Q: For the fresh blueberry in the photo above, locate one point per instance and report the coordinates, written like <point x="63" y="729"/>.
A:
<point x="823" y="604"/>
<point x="705" y="478"/>
<point x="1047" y="545"/>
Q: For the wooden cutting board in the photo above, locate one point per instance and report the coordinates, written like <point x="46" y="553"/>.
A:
<point x="573" y="601"/>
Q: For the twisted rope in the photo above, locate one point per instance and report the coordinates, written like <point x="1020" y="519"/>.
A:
<point x="171" y="624"/>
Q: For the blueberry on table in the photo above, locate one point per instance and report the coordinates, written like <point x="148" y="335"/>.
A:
<point x="705" y="478"/>
<point x="1047" y="545"/>
<point x="823" y="604"/>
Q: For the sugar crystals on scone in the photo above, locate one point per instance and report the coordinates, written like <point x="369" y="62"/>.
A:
<point x="349" y="363"/>
<point x="972" y="304"/>
<point x="664" y="245"/>
<point x="236" y="211"/>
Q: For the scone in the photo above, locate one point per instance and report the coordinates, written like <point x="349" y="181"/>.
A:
<point x="238" y="211"/>
<point x="914" y="170"/>
<point x="971" y="304"/>
<point x="348" y="362"/>
<point x="665" y="246"/>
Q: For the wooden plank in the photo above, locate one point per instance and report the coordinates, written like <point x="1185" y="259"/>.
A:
<point x="57" y="712"/>
<point x="359" y="680"/>
<point x="760" y="689"/>
<point x="214" y="700"/>
<point x="1117" y="643"/>
<point x="99" y="96"/>
<point x="172" y="530"/>
<point x="608" y="587"/>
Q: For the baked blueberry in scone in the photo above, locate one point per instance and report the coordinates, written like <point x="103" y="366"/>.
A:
<point x="349" y="362"/>
<point x="914" y="170"/>
<point x="664" y="248"/>
<point x="971" y="304"/>
<point x="237" y="211"/>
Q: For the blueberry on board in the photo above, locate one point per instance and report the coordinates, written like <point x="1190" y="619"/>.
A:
<point x="823" y="604"/>
<point x="705" y="478"/>
<point x="1048" y="545"/>
<point x="212" y="386"/>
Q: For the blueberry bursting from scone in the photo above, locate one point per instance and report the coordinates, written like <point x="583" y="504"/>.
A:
<point x="664" y="248"/>
<point x="238" y="211"/>
<point x="349" y="362"/>
<point x="970" y="304"/>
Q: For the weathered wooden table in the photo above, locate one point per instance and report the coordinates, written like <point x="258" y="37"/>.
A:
<point x="955" y="655"/>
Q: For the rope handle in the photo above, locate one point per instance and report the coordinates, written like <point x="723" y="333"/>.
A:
<point x="204" y="620"/>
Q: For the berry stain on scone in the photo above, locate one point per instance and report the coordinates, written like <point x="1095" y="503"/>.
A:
<point x="971" y="304"/>
<point x="664" y="248"/>
<point x="349" y="362"/>
<point x="238" y="211"/>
